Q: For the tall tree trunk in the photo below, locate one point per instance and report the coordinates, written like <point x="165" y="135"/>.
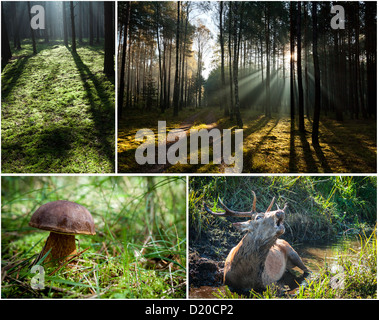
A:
<point x="305" y="11"/>
<point x="223" y="86"/>
<point x="32" y="31"/>
<point x="299" y="71"/>
<point x="6" y="53"/>
<point x="236" y="40"/>
<point x="157" y="17"/>
<point x="108" y="39"/>
<point x="317" y="107"/>
<point x="73" y="38"/>
<point x="230" y="61"/>
<point x="181" y="100"/>
<point x="65" y="37"/>
<point x="123" y="59"/>
<point x="267" y="84"/>
<point x="168" y="98"/>
<point x="292" y="49"/>
<point x="176" y="83"/>
<point x="80" y="25"/>
<point x="47" y="23"/>
<point x="90" y="24"/>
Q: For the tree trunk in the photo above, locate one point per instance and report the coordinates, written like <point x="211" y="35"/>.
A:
<point x="317" y="107"/>
<point x="181" y="100"/>
<point x="236" y="34"/>
<point x="157" y="17"/>
<point x="223" y="86"/>
<point x="267" y="84"/>
<point x="230" y="62"/>
<point x="90" y="24"/>
<point x="176" y="83"/>
<point x="80" y="25"/>
<point x="292" y="49"/>
<point x="123" y="59"/>
<point x="73" y="38"/>
<point x="6" y="53"/>
<point x="32" y="31"/>
<point x="299" y="71"/>
<point x="65" y="37"/>
<point x="108" y="39"/>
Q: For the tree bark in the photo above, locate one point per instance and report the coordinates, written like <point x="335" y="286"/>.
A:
<point x="108" y="39"/>
<point x="32" y="31"/>
<point x="316" y="116"/>
<point x="292" y="49"/>
<point x="73" y="38"/>
<point x="176" y="83"/>
<point x="65" y="37"/>
<point x="6" y="53"/>
<point x="299" y="71"/>
<point x="123" y="60"/>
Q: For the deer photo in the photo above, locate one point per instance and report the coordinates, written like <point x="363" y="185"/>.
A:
<point x="260" y="258"/>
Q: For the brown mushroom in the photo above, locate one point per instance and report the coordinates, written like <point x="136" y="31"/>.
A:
<point x="64" y="219"/>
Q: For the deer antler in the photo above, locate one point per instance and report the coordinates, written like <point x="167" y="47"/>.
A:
<point x="269" y="207"/>
<point x="231" y="213"/>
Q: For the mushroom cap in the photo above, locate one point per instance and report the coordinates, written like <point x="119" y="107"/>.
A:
<point x="63" y="217"/>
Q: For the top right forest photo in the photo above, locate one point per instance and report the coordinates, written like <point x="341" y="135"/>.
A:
<point x="250" y="86"/>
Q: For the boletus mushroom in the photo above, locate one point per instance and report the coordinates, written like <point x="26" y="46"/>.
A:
<point x="64" y="219"/>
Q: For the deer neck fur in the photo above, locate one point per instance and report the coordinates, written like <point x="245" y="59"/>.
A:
<point x="245" y="264"/>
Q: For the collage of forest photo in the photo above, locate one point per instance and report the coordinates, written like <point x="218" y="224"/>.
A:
<point x="188" y="150"/>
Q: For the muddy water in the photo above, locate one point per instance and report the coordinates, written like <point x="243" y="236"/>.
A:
<point x="314" y="255"/>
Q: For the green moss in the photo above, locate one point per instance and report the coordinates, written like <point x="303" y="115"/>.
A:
<point x="57" y="112"/>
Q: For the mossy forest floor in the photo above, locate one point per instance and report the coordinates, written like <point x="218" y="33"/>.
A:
<point x="270" y="145"/>
<point x="57" y="111"/>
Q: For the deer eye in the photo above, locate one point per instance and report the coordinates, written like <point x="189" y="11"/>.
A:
<point x="258" y="217"/>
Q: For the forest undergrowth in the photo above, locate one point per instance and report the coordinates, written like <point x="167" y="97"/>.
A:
<point x="57" y="111"/>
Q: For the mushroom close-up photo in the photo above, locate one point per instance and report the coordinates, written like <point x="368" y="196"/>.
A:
<point x="64" y="219"/>
<point x="93" y="237"/>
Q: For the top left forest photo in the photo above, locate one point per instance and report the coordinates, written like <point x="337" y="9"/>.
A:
<point x="57" y="87"/>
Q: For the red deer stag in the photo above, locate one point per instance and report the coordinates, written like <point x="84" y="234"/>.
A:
<point x="260" y="258"/>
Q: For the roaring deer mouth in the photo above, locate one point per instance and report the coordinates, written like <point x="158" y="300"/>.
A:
<point x="280" y="222"/>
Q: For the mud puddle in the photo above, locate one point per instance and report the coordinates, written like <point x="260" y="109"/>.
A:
<point x="207" y="273"/>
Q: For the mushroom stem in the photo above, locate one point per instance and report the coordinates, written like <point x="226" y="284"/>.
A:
<point x="62" y="247"/>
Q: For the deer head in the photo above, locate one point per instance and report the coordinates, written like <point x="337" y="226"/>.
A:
<point x="263" y="226"/>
